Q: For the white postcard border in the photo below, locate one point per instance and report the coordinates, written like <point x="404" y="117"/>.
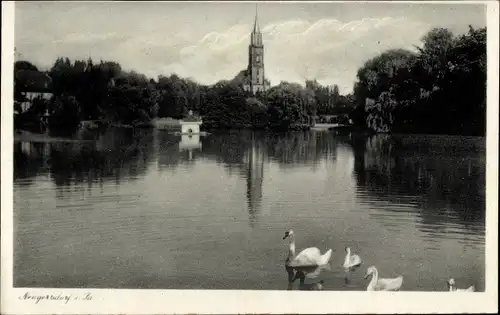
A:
<point x="108" y="301"/>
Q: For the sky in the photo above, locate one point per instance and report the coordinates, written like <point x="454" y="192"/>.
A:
<point x="208" y="41"/>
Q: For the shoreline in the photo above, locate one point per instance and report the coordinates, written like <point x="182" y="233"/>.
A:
<point x="28" y="136"/>
<point x="22" y="135"/>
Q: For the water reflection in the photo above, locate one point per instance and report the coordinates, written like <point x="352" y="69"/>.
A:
<point x="30" y="160"/>
<point x="113" y="156"/>
<point x="407" y="173"/>
<point x="300" y="149"/>
<point x="315" y="286"/>
<point x="246" y="154"/>
<point x="167" y="150"/>
<point x="255" y="157"/>
<point x="203" y="209"/>
<point x="442" y="181"/>
<point x="308" y="277"/>
<point x="190" y="143"/>
<point x="310" y="272"/>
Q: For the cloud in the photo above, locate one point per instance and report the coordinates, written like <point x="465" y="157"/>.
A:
<point x="209" y="41"/>
<point x="85" y="38"/>
<point x="295" y="49"/>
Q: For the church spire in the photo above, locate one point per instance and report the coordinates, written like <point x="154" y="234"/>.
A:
<point x="256" y="36"/>
<point x="256" y="23"/>
<point x="255" y="71"/>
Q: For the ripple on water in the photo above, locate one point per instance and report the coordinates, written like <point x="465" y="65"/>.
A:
<point x="154" y="217"/>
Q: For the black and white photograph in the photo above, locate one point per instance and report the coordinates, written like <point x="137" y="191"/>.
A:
<point x="271" y="148"/>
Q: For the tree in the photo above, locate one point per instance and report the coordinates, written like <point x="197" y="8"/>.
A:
<point x="285" y="110"/>
<point x="24" y="65"/>
<point x="130" y="104"/>
<point x="407" y="92"/>
<point x="258" y="111"/>
<point x="65" y="113"/>
<point x="89" y="90"/>
<point x="378" y="75"/>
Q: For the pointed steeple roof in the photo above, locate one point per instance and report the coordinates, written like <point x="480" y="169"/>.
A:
<point x="256" y="28"/>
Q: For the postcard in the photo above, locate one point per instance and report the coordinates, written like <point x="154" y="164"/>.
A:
<point x="232" y="157"/>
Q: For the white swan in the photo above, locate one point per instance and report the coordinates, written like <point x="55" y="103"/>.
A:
<point x="351" y="261"/>
<point x="308" y="257"/>
<point x="380" y="284"/>
<point x="453" y="288"/>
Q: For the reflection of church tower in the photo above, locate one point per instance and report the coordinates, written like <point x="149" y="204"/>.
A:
<point x="255" y="177"/>
<point x="255" y="81"/>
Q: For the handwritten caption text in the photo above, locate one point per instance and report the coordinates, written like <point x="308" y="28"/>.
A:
<point x="66" y="298"/>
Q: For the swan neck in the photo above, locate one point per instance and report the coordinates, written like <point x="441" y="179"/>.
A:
<point x="291" y="252"/>
<point x="346" y="260"/>
<point x="374" y="278"/>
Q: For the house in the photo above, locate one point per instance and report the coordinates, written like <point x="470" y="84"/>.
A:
<point x="191" y="124"/>
<point x="32" y="84"/>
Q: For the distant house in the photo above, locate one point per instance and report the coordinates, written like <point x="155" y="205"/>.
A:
<point x="33" y="84"/>
<point x="190" y="125"/>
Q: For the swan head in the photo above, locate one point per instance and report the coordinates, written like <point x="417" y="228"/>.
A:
<point x="371" y="270"/>
<point x="347" y="250"/>
<point x="288" y="234"/>
<point x="451" y="283"/>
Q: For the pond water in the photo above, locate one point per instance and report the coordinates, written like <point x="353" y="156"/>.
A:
<point x="148" y="209"/>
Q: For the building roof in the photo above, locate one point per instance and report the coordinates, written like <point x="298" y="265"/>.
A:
<point x="191" y="119"/>
<point x="33" y="81"/>
<point x="256" y="28"/>
<point x="242" y="78"/>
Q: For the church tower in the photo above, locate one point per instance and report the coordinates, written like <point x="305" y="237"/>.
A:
<point x="256" y="81"/>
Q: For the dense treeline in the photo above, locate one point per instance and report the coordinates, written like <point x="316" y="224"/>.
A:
<point x="104" y="92"/>
<point x="82" y="90"/>
<point x="439" y="89"/>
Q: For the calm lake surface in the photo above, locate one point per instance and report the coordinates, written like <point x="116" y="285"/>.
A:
<point x="148" y="209"/>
